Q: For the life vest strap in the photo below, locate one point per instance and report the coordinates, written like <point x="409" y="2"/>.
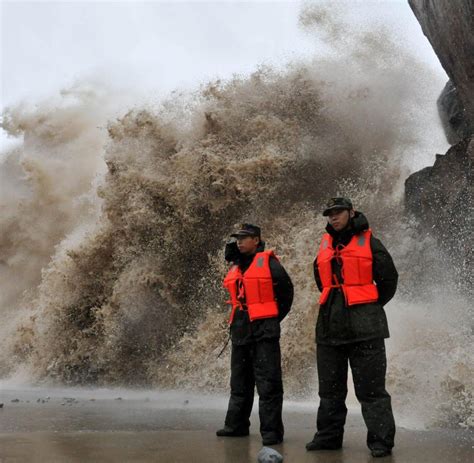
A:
<point x="240" y="290"/>
<point x="338" y="284"/>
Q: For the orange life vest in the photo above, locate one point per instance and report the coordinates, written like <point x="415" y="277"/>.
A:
<point x="356" y="258"/>
<point x="253" y="289"/>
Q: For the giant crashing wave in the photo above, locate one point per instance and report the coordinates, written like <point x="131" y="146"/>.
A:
<point x="132" y="294"/>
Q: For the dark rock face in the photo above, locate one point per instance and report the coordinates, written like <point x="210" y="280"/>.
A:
<point x="449" y="26"/>
<point x="453" y="115"/>
<point x="441" y="197"/>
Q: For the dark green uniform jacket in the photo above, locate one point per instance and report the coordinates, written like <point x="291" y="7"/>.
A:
<point x="338" y="324"/>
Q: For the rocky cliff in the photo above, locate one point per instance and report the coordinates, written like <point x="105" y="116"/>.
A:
<point x="441" y="196"/>
<point x="449" y="26"/>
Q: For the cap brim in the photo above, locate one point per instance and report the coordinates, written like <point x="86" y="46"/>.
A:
<point x="326" y="211"/>
<point x="243" y="233"/>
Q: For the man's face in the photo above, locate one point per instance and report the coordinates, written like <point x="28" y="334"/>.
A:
<point x="339" y="218"/>
<point x="247" y="244"/>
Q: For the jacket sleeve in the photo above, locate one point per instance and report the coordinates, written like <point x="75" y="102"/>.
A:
<point x="282" y="287"/>
<point x="317" y="278"/>
<point x="384" y="272"/>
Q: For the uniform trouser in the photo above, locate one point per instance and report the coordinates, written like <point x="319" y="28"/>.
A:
<point x="258" y="363"/>
<point x="368" y="363"/>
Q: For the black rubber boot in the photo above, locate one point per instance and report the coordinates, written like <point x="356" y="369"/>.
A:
<point x="227" y="432"/>
<point x="269" y="440"/>
<point x="317" y="445"/>
<point x="379" y="453"/>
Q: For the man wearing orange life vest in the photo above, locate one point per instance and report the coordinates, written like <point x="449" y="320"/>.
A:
<point x="261" y="294"/>
<point x="356" y="277"/>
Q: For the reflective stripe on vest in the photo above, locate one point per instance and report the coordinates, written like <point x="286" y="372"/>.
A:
<point x="356" y="259"/>
<point x="253" y="289"/>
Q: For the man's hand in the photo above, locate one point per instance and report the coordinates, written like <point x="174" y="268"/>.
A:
<point x="231" y="253"/>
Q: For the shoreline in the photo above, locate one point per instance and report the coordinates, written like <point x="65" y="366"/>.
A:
<point x="77" y="425"/>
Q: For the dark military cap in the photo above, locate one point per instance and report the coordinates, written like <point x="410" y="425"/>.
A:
<point x="337" y="203"/>
<point x="247" y="229"/>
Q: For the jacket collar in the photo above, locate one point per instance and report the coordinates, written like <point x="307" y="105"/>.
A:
<point x="357" y="224"/>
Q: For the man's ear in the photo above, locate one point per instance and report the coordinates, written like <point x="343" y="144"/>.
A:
<point x="352" y="213"/>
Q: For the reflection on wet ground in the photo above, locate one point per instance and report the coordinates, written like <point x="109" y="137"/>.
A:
<point x="71" y="425"/>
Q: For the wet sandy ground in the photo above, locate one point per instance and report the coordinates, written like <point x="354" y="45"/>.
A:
<point x="80" y="425"/>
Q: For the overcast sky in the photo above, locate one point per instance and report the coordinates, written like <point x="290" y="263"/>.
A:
<point x="46" y="45"/>
<point x="159" y="46"/>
